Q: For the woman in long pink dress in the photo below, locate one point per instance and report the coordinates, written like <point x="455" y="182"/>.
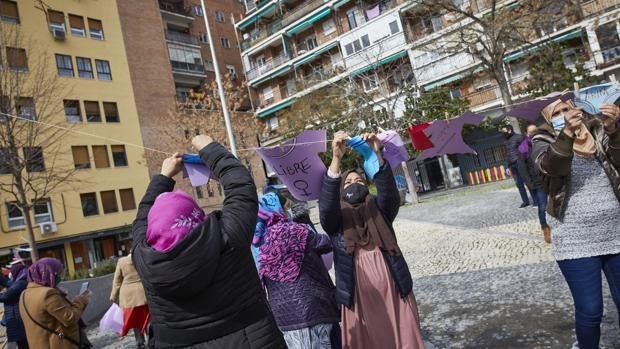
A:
<point x="373" y="282"/>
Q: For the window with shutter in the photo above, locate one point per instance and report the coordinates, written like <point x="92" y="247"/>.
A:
<point x="111" y="112"/>
<point x="100" y="153"/>
<point x="95" y="28"/>
<point x="119" y="155"/>
<point x="77" y="25"/>
<point x="8" y="11"/>
<point x="80" y="157"/>
<point x="108" y="201"/>
<point x="16" y="58"/>
<point x="128" y="201"/>
<point x="93" y="113"/>
<point x="56" y="18"/>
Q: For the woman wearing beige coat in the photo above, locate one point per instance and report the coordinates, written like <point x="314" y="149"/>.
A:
<point x="128" y="293"/>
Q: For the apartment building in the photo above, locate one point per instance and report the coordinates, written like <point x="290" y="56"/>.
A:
<point x="291" y="48"/>
<point x="169" y="59"/>
<point x="80" y="42"/>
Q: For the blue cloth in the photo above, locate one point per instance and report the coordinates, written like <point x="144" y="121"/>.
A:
<point x="192" y="159"/>
<point x="583" y="276"/>
<point x="371" y="161"/>
<point x="540" y="198"/>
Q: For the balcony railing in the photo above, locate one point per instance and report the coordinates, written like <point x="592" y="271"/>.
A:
<point x="375" y="52"/>
<point x="185" y="67"/>
<point x="484" y="96"/>
<point x="250" y="5"/>
<point x="300" y="11"/>
<point x="426" y="71"/>
<point x="269" y="65"/>
<point x="261" y="34"/>
<point x="595" y="7"/>
<point x="182" y="37"/>
<point x="611" y="56"/>
<point x="175" y="7"/>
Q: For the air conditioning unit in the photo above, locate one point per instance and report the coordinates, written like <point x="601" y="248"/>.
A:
<point x="48" y="228"/>
<point x="59" y="33"/>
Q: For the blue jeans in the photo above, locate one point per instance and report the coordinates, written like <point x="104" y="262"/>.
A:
<point x="583" y="276"/>
<point x="514" y="171"/>
<point x="540" y="198"/>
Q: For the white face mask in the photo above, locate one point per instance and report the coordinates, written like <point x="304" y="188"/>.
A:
<point x="558" y="122"/>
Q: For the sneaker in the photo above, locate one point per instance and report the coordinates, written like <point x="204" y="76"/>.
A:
<point x="524" y="205"/>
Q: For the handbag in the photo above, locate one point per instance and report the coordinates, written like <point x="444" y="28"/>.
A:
<point x="83" y="343"/>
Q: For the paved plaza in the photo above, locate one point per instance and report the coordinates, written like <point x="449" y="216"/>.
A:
<point x="484" y="278"/>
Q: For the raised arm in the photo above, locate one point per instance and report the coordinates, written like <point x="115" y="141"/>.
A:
<point x="388" y="198"/>
<point x="611" y="121"/>
<point x="330" y="213"/>
<point x="553" y="157"/>
<point x="238" y="217"/>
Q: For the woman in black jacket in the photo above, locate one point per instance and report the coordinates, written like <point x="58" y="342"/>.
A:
<point x="203" y="289"/>
<point x="373" y="282"/>
<point x="15" y="331"/>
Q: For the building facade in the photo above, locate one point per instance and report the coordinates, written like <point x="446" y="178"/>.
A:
<point x="80" y="42"/>
<point x="292" y="48"/>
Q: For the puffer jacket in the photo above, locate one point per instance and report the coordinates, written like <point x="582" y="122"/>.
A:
<point x="14" y="325"/>
<point x="388" y="201"/>
<point x="512" y="148"/>
<point x="310" y="299"/>
<point x="553" y="155"/>
<point x="205" y="292"/>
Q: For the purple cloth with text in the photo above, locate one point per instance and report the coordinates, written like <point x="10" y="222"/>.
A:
<point x="447" y="137"/>
<point x="297" y="164"/>
<point x="394" y="151"/>
<point x="198" y="174"/>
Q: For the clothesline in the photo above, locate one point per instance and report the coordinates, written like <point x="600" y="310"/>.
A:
<point x="168" y="153"/>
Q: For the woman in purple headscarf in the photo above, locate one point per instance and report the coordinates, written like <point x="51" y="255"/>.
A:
<point x="50" y="319"/>
<point x="201" y="283"/>
<point x="15" y="332"/>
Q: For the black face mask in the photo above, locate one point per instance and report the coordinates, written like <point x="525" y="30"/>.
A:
<point x="355" y="193"/>
<point x="507" y="135"/>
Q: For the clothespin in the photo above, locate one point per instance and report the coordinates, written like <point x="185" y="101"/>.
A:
<point x="576" y="90"/>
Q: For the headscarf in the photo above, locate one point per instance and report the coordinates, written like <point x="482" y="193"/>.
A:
<point x="18" y="271"/>
<point x="45" y="272"/>
<point x="268" y="205"/>
<point x="173" y="216"/>
<point x="283" y="249"/>
<point x="363" y="223"/>
<point x="584" y="141"/>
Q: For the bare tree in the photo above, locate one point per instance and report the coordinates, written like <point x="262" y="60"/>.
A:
<point x="32" y="135"/>
<point x="489" y="29"/>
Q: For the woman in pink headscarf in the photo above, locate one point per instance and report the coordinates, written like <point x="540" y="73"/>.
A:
<point x="201" y="284"/>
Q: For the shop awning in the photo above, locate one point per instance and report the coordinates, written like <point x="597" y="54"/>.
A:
<point x="451" y="78"/>
<point x="310" y="21"/>
<point x="274" y="108"/>
<point x="271" y="76"/>
<point x="254" y="17"/>
<point x="308" y="58"/>
<point x="566" y="36"/>
<point x="385" y="60"/>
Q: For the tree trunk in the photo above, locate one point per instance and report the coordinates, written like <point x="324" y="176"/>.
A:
<point x="504" y="89"/>
<point x="410" y="186"/>
<point x="26" y="210"/>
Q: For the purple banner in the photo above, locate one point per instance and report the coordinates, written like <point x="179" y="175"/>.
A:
<point x="394" y="151"/>
<point x="198" y="174"/>
<point x="297" y="164"/>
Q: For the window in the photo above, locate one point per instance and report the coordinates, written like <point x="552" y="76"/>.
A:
<point x="93" y="114"/>
<point x="5" y="168"/>
<point x="370" y="83"/>
<point x="89" y="204"/>
<point x="225" y="42"/>
<point x="64" y="65"/>
<point x="199" y="193"/>
<point x="80" y="157"/>
<point x="85" y="68"/>
<point x="436" y="23"/>
<point x="56" y="20"/>
<point x="77" y="25"/>
<point x="272" y="123"/>
<point x="103" y="69"/>
<point x="329" y="27"/>
<point x="16" y="217"/>
<point x="260" y="61"/>
<point x="42" y="211"/>
<point x="365" y="41"/>
<point x="267" y="93"/>
<point x="197" y="10"/>
<point x="100" y="153"/>
<point x="455" y="93"/>
<point x="348" y="48"/>
<point x="230" y="69"/>
<point x="25" y="108"/>
<point x="108" y="201"/>
<point x="111" y="112"/>
<point x="8" y="11"/>
<point x="128" y="201"/>
<point x="351" y="19"/>
<point x="72" y="111"/>
<point x="394" y="27"/>
<point x="219" y="16"/>
<point x="357" y="46"/>
<point x="185" y="58"/>
<point x="119" y="156"/>
<point x="95" y="28"/>
<point x="34" y="159"/>
<point x="16" y="59"/>
<point x="311" y="43"/>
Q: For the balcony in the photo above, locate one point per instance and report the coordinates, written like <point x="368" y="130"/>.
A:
<point x="482" y="97"/>
<point x="188" y="68"/>
<point x="375" y="52"/>
<point x="611" y="56"/>
<point x="260" y="35"/>
<point x="592" y="8"/>
<point x="429" y="67"/>
<point x="176" y="11"/>
<point x="300" y="11"/>
<point x="182" y="38"/>
<point x="268" y="66"/>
